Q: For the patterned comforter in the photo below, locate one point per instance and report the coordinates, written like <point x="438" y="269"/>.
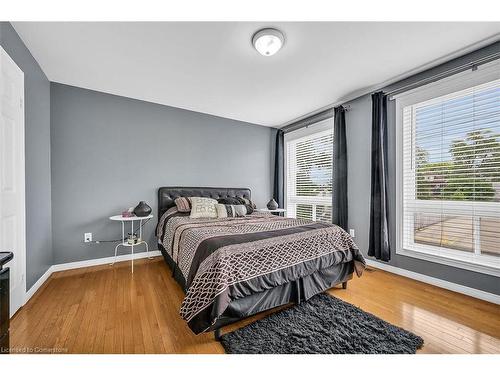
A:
<point x="225" y="259"/>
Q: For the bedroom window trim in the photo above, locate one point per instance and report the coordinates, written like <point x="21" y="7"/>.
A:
<point x="317" y="129"/>
<point x="473" y="261"/>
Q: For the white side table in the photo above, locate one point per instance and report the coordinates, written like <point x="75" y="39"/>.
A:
<point x="124" y="240"/>
<point x="279" y="211"/>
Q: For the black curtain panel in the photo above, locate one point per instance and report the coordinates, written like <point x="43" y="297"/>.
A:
<point x="279" y="173"/>
<point x="339" y="188"/>
<point x="379" y="230"/>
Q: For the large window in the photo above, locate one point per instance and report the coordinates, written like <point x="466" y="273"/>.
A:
<point x="308" y="165"/>
<point x="449" y="171"/>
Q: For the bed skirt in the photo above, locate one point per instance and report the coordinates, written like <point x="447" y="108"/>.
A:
<point x="292" y="292"/>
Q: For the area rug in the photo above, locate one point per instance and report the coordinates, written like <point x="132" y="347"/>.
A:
<point x="322" y="325"/>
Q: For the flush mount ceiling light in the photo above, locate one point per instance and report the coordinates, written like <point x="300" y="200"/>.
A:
<point x="268" y="41"/>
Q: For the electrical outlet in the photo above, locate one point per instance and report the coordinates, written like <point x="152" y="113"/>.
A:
<point x="87" y="237"/>
<point x="352" y="233"/>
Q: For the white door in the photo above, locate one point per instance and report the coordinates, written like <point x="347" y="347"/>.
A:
<point x="12" y="200"/>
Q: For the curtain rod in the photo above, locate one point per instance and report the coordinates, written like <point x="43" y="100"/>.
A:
<point x="314" y="119"/>
<point x="448" y="73"/>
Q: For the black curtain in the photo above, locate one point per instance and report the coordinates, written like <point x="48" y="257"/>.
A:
<point x="339" y="188"/>
<point x="279" y="174"/>
<point x="379" y="230"/>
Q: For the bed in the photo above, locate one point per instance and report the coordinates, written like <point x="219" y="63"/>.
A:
<point x="233" y="268"/>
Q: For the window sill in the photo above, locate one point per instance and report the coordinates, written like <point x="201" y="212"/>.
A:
<point x="452" y="261"/>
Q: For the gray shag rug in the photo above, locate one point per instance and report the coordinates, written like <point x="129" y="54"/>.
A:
<point x="324" y="325"/>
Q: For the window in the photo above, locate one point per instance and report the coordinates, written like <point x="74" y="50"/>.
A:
<point x="449" y="171"/>
<point x="308" y="166"/>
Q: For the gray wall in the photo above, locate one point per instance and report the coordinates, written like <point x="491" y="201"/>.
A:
<point x="37" y="144"/>
<point x="358" y="123"/>
<point x="110" y="152"/>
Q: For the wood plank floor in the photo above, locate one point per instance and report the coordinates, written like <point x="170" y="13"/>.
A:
<point x="105" y="309"/>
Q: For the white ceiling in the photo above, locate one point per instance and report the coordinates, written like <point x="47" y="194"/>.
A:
<point x="213" y="68"/>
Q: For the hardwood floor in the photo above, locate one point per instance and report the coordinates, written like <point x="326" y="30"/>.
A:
<point x="105" y="309"/>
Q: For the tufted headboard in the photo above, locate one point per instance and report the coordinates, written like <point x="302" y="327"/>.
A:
<point x="167" y="194"/>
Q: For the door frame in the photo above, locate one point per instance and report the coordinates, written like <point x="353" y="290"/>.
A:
<point x="21" y="169"/>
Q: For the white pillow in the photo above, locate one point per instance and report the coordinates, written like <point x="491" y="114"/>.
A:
<point x="203" y="208"/>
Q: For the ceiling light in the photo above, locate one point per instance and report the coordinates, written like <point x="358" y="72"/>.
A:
<point x="268" y="41"/>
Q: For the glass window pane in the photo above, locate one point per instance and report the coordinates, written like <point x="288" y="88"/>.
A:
<point x="457" y="147"/>
<point x="451" y="232"/>
<point x="313" y="174"/>
<point x="451" y="170"/>
<point x="309" y="162"/>
<point x="304" y="211"/>
<point x="490" y="236"/>
<point x="324" y="213"/>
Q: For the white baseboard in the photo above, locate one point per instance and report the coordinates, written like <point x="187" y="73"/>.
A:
<point x="82" y="264"/>
<point x="100" y="261"/>
<point x="476" y="293"/>
<point x="38" y="284"/>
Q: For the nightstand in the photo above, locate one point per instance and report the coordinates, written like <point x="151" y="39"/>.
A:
<point x="124" y="240"/>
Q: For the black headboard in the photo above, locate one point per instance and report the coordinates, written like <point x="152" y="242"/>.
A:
<point x="167" y="194"/>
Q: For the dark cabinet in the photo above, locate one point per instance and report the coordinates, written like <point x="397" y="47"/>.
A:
<point x="4" y="343"/>
<point x="4" y="302"/>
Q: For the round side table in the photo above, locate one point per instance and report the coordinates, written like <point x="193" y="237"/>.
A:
<point x="124" y="241"/>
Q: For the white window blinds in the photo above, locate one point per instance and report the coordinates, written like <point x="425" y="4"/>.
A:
<point x="309" y="174"/>
<point x="450" y="178"/>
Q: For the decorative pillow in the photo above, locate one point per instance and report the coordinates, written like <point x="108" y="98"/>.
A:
<point x="183" y="204"/>
<point x="229" y="200"/>
<point x="203" y="208"/>
<point x="230" y="210"/>
<point x="238" y="200"/>
<point x="240" y="210"/>
<point x="221" y="210"/>
<point x="247" y="202"/>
